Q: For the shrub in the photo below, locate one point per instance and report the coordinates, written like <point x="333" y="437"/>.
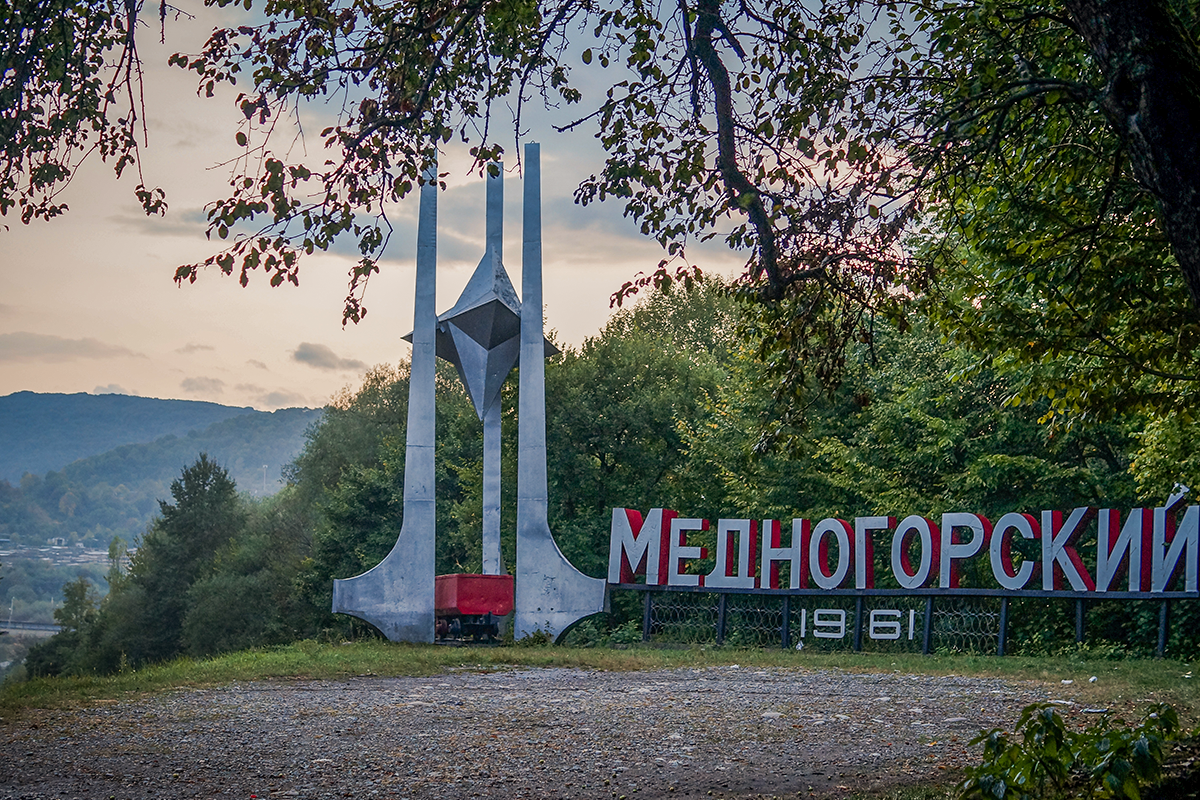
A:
<point x="1048" y="761"/>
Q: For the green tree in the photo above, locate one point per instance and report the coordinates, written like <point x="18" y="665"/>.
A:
<point x="351" y="474"/>
<point x="66" y="651"/>
<point x="1051" y="252"/>
<point x="618" y="410"/>
<point x="71" y="86"/>
<point x="821" y="132"/>
<point x="248" y="597"/>
<point x="142" y="619"/>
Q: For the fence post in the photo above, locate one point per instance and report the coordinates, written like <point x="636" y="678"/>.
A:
<point x="647" y="615"/>
<point x="786" y="627"/>
<point x="858" y="615"/>
<point x="1002" y="639"/>
<point x="927" y="632"/>
<point x="721" y="619"/>
<point x="1164" y="615"/>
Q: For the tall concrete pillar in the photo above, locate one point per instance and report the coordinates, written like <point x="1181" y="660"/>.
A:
<point x="551" y="595"/>
<point x="492" y="564"/>
<point x="396" y="596"/>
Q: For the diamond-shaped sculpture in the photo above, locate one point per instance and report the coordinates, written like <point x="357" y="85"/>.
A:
<point x="481" y="334"/>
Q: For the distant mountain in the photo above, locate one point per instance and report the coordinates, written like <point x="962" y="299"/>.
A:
<point x="253" y="447"/>
<point x="116" y="493"/>
<point x="43" y="432"/>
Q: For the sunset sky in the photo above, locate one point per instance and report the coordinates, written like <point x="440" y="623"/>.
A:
<point x="88" y="304"/>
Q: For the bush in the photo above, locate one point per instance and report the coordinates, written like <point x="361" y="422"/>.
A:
<point x="1051" y="762"/>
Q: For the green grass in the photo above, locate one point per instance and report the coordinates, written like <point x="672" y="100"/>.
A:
<point x="1124" y="685"/>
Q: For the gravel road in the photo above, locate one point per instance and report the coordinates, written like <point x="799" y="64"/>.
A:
<point x="521" y="733"/>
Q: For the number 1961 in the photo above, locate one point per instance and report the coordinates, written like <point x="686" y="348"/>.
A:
<point x="884" y="623"/>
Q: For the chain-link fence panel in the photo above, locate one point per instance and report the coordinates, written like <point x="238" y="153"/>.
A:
<point x="683" y="617"/>
<point x="966" y="624"/>
<point x="753" y="620"/>
<point x="898" y="624"/>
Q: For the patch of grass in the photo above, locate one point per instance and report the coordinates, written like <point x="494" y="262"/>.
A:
<point x="1125" y="686"/>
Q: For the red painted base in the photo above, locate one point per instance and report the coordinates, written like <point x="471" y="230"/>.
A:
<point x="462" y="595"/>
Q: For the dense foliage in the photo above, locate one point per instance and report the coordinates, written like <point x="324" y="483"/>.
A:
<point x="667" y="406"/>
<point x="71" y="86"/>
<point x="1035" y="144"/>
<point x="1049" y="761"/>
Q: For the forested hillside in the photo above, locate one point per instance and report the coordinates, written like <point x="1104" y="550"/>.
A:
<point x="43" y="432"/>
<point x="667" y="407"/>
<point x="116" y="493"/>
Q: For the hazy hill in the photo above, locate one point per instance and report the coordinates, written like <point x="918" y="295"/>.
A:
<point x="116" y="492"/>
<point x="42" y="432"/>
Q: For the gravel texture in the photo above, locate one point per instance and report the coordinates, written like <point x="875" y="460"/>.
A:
<point x="521" y="733"/>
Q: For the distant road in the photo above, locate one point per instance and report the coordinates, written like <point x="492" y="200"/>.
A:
<point x="18" y="625"/>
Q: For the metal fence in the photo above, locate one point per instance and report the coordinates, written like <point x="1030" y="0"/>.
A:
<point x="867" y="621"/>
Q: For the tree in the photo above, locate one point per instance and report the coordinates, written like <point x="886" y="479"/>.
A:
<point x="812" y="137"/>
<point x="1051" y="250"/>
<point x="70" y="87"/>
<point x="66" y="651"/>
<point x="142" y="618"/>
<point x="618" y="412"/>
<point x="351" y="477"/>
<point x="248" y="597"/>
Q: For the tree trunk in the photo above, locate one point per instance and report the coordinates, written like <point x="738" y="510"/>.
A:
<point x="1152" y="97"/>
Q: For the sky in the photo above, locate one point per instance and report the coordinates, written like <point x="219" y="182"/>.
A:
<point x="88" y="304"/>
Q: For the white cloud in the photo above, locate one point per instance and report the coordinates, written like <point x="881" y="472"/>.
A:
<point x="113" y="388"/>
<point x="202" y="385"/>
<point x="192" y="347"/>
<point x="322" y="357"/>
<point x="26" y="346"/>
<point x="282" y="399"/>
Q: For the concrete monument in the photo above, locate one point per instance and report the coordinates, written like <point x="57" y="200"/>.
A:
<point x="484" y="335"/>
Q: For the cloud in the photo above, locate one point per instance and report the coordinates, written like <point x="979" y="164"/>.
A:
<point x="192" y="347"/>
<point x="321" y="357"/>
<point x="113" y="388"/>
<point x="282" y="399"/>
<point x="252" y="362"/>
<point x="249" y="388"/>
<point x="189" y="223"/>
<point x="25" y="346"/>
<point x="202" y="385"/>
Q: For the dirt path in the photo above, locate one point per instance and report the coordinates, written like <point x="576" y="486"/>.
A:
<point x="528" y="733"/>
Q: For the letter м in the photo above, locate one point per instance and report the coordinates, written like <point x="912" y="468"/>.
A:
<point x="637" y="546"/>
